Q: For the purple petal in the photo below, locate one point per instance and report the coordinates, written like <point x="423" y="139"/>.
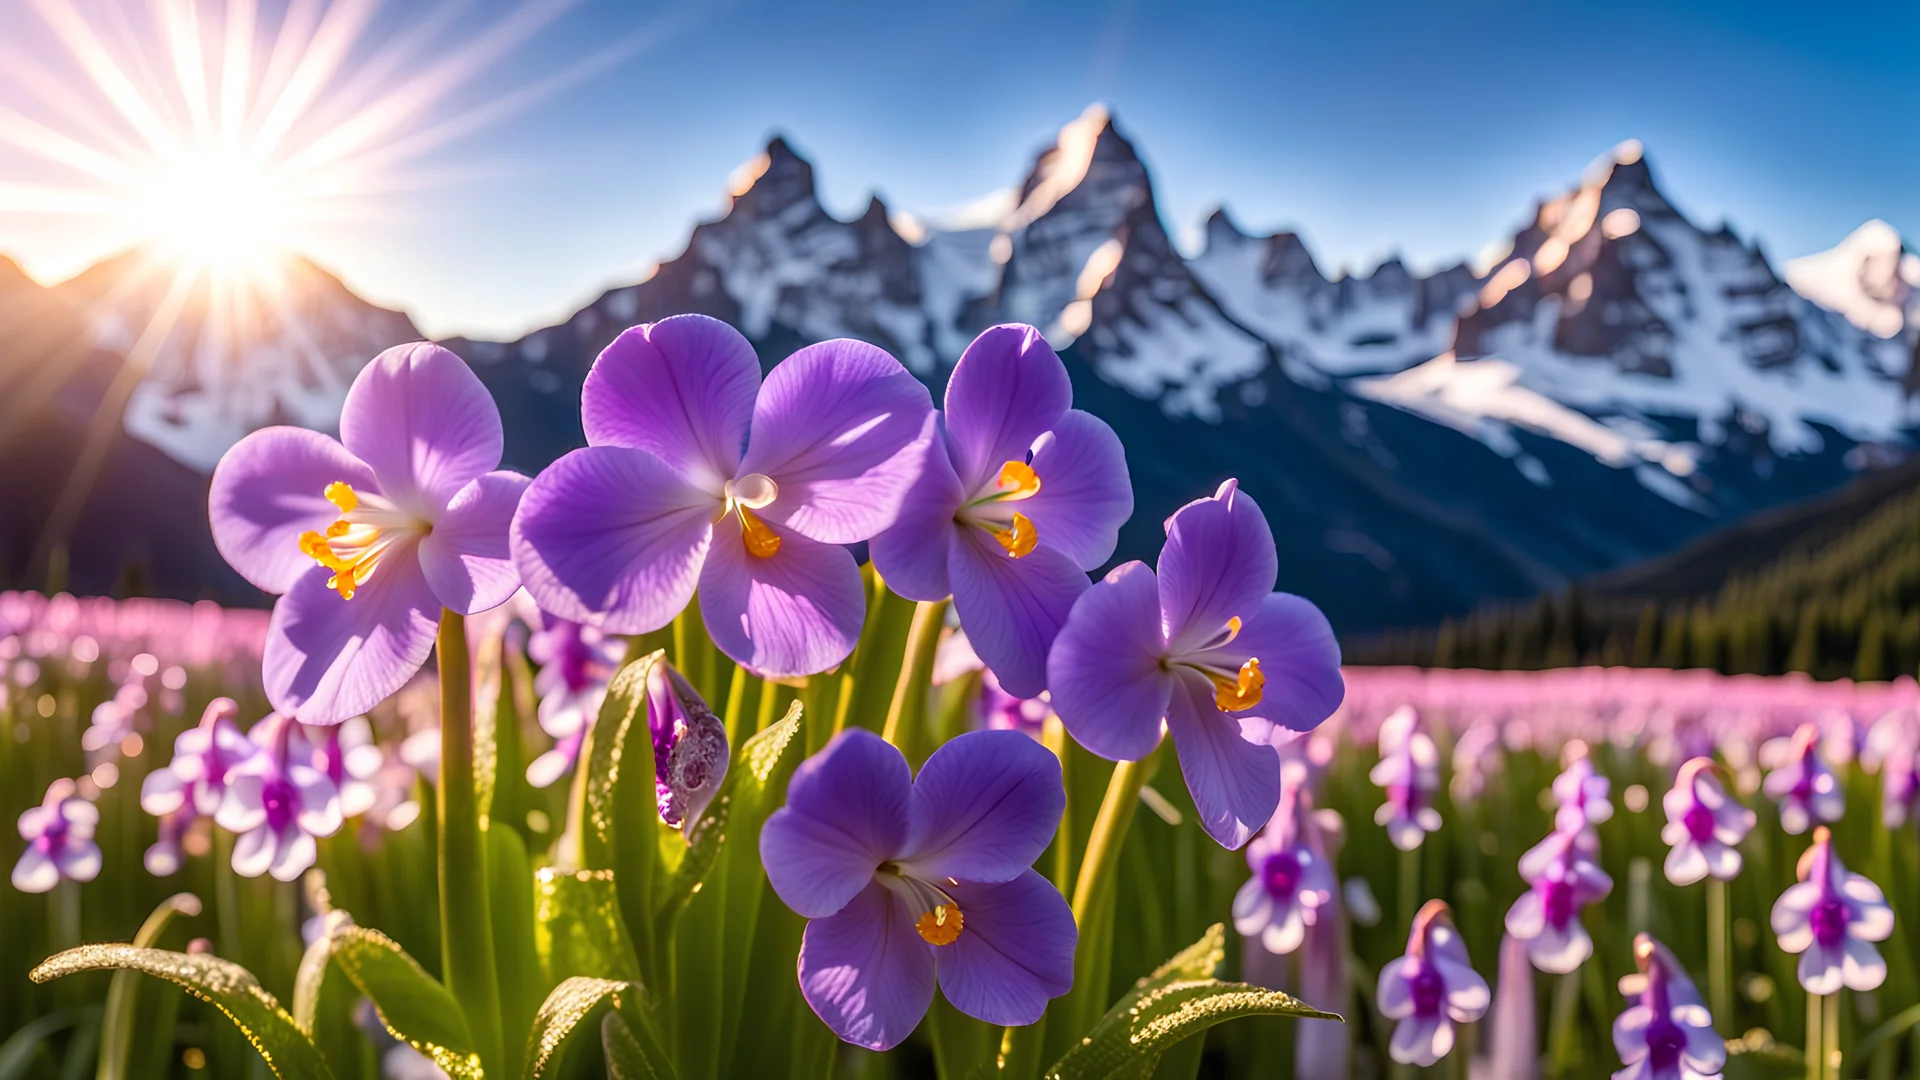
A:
<point x="419" y="417"/>
<point x="865" y="972"/>
<point x="985" y="805"/>
<point x="1012" y="608"/>
<point x="466" y="558"/>
<point x="836" y="427"/>
<point x="1104" y="668"/>
<point x="612" y="536"/>
<point x="1235" y="783"/>
<point x="1007" y="389"/>
<point x="82" y="861"/>
<point x="267" y="491"/>
<point x="682" y="389"/>
<point x="1299" y="657"/>
<point x="911" y="554"/>
<point x="796" y="612"/>
<point x="329" y="659"/>
<point x="1014" y="952"/>
<point x="35" y="872"/>
<point x="1085" y="494"/>
<point x="1218" y="563"/>
<point x="846" y="813"/>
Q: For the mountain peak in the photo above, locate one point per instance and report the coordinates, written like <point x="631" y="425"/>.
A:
<point x="772" y="181"/>
<point x="1871" y="278"/>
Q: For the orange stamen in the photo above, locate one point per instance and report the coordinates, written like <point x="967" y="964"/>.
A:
<point x="1017" y="481"/>
<point x="762" y="542"/>
<point x="941" y="926"/>
<point x="1242" y="690"/>
<point x="1020" y="537"/>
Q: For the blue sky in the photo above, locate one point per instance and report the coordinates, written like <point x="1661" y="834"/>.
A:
<point x="1422" y="128"/>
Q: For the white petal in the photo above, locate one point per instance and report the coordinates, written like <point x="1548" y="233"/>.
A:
<point x="1686" y="863"/>
<point x="1820" y="969"/>
<point x="254" y="850"/>
<point x="1527" y="917"/>
<point x="1862" y="968"/>
<point x="296" y="853"/>
<point x="35" y="872"/>
<point x="1252" y="907"/>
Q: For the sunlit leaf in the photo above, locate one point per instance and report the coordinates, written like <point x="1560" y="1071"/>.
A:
<point x="632" y="1053"/>
<point x="577" y="929"/>
<point x="412" y="1004"/>
<point x="573" y="1003"/>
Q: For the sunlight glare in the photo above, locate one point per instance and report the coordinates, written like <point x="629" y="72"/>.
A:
<point x="215" y="208"/>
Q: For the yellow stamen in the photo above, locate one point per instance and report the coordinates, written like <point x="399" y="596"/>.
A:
<point x="1017" y="481"/>
<point x="340" y="494"/>
<point x="349" y="548"/>
<point x="762" y="542"/>
<point x="1020" y="537"/>
<point x="1241" y="691"/>
<point x="941" y="926"/>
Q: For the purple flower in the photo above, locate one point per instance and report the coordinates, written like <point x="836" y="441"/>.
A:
<point x="203" y="756"/>
<point x="689" y="748"/>
<point x="1900" y="786"/>
<point x="1194" y="648"/>
<point x="1020" y="495"/>
<point x="1476" y="756"/>
<point x="1580" y="793"/>
<point x="1668" y="1033"/>
<point x="908" y="880"/>
<point x="1831" y="918"/>
<point x="1430" y="989"/>
<point x="1409" y="770"/>
<point x="698" y="475"/>
<point x="1292" y="881"/>
<point x="1705" y="825"/>
<point x="163" y="859"/>
<point x="59" y="836"/>
<point x="576" y="663"/>
<point x="370" y="537"/>
<point x="1562" y="878"/>
<point x="1804" y="786"/>
<point x="278" y="801"/>
<point x="351" y="759"/>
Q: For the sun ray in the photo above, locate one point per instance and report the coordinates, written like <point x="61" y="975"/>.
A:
<point x="107" y="75"/>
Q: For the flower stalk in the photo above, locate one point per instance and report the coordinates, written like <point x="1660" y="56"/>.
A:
<point x="466" y="928"/>
<point x="907" y="714"/>
<point x="1719" y="964"/>
<point x="1093" y="893"/>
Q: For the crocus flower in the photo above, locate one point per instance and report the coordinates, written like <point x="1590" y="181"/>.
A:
<point x="1409" y="770"/>
<point x="1562" y="878"/>
<point x="576" y="663"/>
<point x="1206" y="648"/>
<point x="1291" y="881"/>
<point x="1803" y="785"/>
<point x="1019" y="496"/>
<point x="689" y="748"/>
<point x="278" y="801"/>
<point x="1831" y="919"/>
<point x="369" y="538"/>
<point x="196" y="778"/>
<point x="1667" y="1034"/>
<point x="59" y="836"/>
<point x="352" y="760"/>
<point x="1900" y="785"/>
<point x="697" y="474"/>
<point x="1430" y="989"/>
<point x="1705" y="825"/>
<point x="908" y="880"/>
<point x="1580" y="794"/>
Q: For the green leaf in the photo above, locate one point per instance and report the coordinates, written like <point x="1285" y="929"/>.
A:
<point x="577" y="929"/>
<point x="632" y="1056"/>
<point x="515" y="955"/>
<point x="221" y="983"/>
<point x="571" y="1004"/>
<point x="116" y="1027"/>
<point x="323" y="1000"/>
<point x="412" y="1004"/>
<point x="619" y="822"/>
<point x="26" y="1045"/>
<point x="1179" y="1000"/>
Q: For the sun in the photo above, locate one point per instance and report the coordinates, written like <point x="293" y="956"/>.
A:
<point x="218" y="210"/>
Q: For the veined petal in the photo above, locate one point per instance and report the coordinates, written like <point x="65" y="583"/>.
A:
<point x="329" y="659"/>
<point x="1299" y="657"/>
<point x="865" y="972"/>
<point x="984" y="807"/>
<point x="612" y="536"/>
<point x="836" y="427"/>
<point x="1012" y="609"/>
<point x="1235" y="783"/>
<point x="681" y="389"/>
<point x="1085" y="492"/>
<point x="420" y="418"/>
<point x="1219" y="563"/>
<point x="1015" y="953"/>
<point x="466" y="558"/>
<point x="911" y="554"/>
<point x="795" y="612"/>
<point x="1007" y="388"/>
<point x="267" y="490"/>
<point x="846" y="812"/>
<point x="1104" y="668"/>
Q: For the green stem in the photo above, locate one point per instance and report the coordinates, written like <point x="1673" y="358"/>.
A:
<point x="466" y="928"/>
<point x="907" y="714"/>
<point x="1020" y="1049"/>
<point x="1054" y="735"/>
<point x="1563" y="1038"/>
<point x="743" y="700"/>
<point x="1093" y="892"/>
<point x="1719" y="973"/>
<point x="1830" y="1035"/>
<point x="883" y="649"/>
<point x="1815" y="1056"/>
<point x="1409" y="888"/>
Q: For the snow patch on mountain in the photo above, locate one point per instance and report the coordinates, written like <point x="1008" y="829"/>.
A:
<point x="1871" y="278"/>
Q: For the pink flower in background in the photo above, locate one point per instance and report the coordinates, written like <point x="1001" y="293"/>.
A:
<point x="1831" y="919"/>
<point x="166" y="855"/>
<point x="1476" y="757"/>
<point x="59" y="836"/>
<point x="352" y="760"/>
<point x="1667" y="1033"/>
<point x="1893" y="750"/>
<point x="203" y="756"/>
<point x="1562" y="878"/>
<point x="1409" y="770"/>
<point x="1430" y="989"/>
<point x="1581" y="793"/>
<point x="278" y="802"/>
<point x="1292" y="880"/>
<point x="1705" y="825"/>
<point x="1801" y="782"/>
<point x="576" y="663"/>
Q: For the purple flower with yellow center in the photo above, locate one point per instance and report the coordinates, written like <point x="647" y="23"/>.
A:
<point x="1831" y="919"/>
<point x="1705" y="825"/>
<point x="59" y="836"/>
<point x="1292" y="881"/>
<point x="1205" y="649"/>
<point x="576" y="663"/>
<point x="1803" y="785"/>
<point x="1019" y="496"/>
<point x="369" y="538"/>
<point x="697" y="474"/>
<point x="196" y="778"/>
<point x="1562" y="878"/>
<point x="908" y="880"/>
<point x="1580" y="794"/>
<point x="689" y="748"/>
<point x="1409" y="771"/>
<point x="1667" y="1034"/>
<point x="278" y="802"/>
<point x="1430" y="989"/>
